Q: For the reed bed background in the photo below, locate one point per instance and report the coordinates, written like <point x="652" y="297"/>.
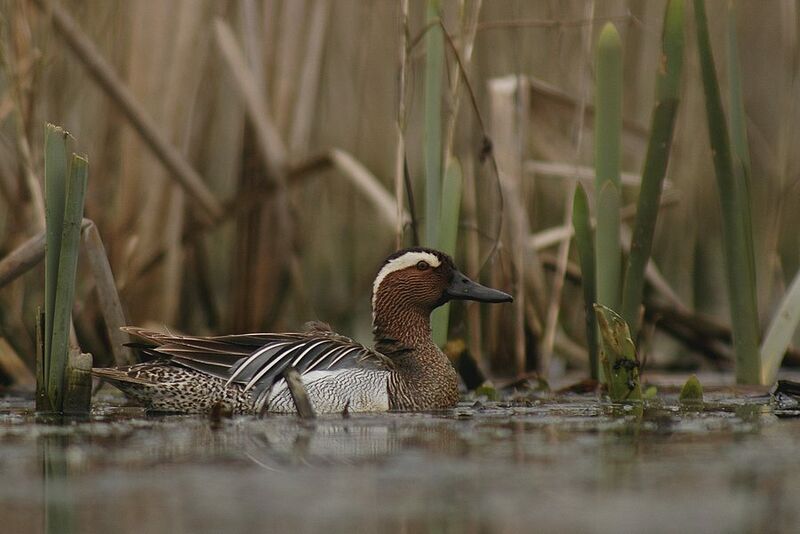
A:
<point x="288" y="123"/>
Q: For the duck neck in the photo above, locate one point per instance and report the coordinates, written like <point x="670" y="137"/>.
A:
<point x="424" y="379"/>
<point x="399" y="327"/>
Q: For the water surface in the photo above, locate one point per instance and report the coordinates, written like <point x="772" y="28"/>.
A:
<point x="571" y="464"/>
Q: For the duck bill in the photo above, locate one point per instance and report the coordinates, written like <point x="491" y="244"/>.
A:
<point x="462" y="288"/>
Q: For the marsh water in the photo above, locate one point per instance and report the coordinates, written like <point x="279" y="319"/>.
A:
<point x="550" y="464"/>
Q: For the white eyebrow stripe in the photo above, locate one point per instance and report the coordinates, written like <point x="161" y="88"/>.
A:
<point x="403" y="262"/>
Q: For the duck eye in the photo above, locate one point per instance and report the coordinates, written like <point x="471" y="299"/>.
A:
<point x="422" y="265"/>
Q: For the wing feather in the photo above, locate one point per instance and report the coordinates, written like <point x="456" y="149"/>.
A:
<point x="258" y="361"/>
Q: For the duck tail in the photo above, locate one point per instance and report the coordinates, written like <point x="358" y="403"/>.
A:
<point x="119" y="375"/>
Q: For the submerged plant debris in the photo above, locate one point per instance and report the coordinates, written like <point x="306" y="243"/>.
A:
<point x="568" y="464"/>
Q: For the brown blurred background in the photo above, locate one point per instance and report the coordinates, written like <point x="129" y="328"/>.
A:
<point x="326" y="74"/>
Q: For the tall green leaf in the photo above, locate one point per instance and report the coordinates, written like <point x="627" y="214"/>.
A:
<point x="737" y="239"/>
<point x="448" y="239"/>
<point x="55" y="180"/>
<point x="739" y="146"/>
<point x="608" y="129"/>
<point x="67" y="266"/>
<point x="655" y="166"/>
<point x="434" y="42"/>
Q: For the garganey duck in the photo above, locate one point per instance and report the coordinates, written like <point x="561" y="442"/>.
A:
<point x="404" y="371"/>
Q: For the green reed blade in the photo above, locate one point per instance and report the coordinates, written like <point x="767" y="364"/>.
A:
<point x="655" y="167"/>
<point x="608" y="254"/>
<point x="448" y="239"/>
<point x="608" y="129"/>
<point x="735" y="212"/>
<point x="67" y="266"/>
<point x="739" y="147"/>
<point x="584" y="242"/>
<point x="434" y="44"/>
<point x="55" y="179"/>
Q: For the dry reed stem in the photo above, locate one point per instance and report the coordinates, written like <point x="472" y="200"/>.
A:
<point x="556" y="234"/>
<point x="557" y="283"/>
<point x="472" y="256"/>
<point x="470" y="23"/>
<point x="30" y="253"/>
<point x="305" y="105"/>
<point x="22" y="259"/>
<point x="243" y="203"/>
<point x="580" y="172"/>
<point x="292" y="28"/>
<point x="371" y="187"/>
<point x="253" y="39"/>
<point x="273" y="153"/>
<point x="183" y="88"/>
<point x="269" y="142"/>
<point x="31" y="182"/>
<point x="107" y="295"/>
<point x="299" y="394"/>
<point x="13" y="367"/>
<point x="551" y="23"/>
<point x="112" y="85"/>
<point x="508" y="117"/>
<point x="8" y="181"/>
<point x="78" y="383"/>
<point x="559" y="234"/>
<point x="400" y="123"/>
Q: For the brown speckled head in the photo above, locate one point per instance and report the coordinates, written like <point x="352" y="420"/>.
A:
<point x="417" y="277"/>
<point x="423" y="279"/>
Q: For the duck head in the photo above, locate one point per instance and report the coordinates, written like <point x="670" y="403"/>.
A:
<point x="422" y="279"/>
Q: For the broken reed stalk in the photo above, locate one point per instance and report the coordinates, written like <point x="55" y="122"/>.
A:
<point x="107" y="296"/>
<point x="56" y="359"/>
<point x="22" y="259"/>
<point x="608" y="131"/>
<point x="668" y="77"/>
<point x="78" y="387"/>
<point x="372" y="189"/>
<point x="299" y="394"/>
<point x="55" y="180"/>
<point x="736" y="226"/>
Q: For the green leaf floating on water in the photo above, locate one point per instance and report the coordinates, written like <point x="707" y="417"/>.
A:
<point x="618" y="356"/>
<point x="692" y="391"/>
